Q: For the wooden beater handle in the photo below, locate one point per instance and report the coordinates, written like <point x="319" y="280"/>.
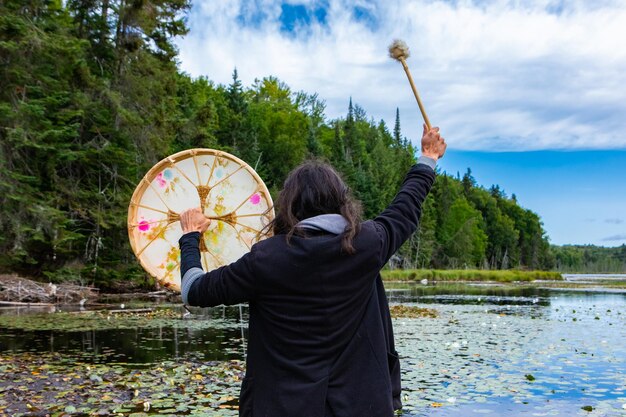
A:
<point x="417" y="96"/>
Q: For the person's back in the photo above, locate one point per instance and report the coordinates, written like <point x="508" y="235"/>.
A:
<point x="320" y="337"/>
<point x="311" y="301"/>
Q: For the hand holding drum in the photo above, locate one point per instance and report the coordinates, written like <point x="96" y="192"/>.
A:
<point x="193" y="220"/>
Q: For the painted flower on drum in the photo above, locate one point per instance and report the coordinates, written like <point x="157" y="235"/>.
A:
<point x="143" y="225"/>
<point x="163" y="177"/>
<point x="255" y="199"/>
<point x="160" y="180"/>
<point x="171" y="262"/>
<point x="157" y="231"/>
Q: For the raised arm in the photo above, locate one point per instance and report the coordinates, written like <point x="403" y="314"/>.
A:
<point x="399" y="220"/>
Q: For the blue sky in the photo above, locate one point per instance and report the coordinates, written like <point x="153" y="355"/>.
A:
<point x="530" y="94"/>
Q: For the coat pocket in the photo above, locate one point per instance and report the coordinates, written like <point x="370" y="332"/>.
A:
<point x="393" y="361"/>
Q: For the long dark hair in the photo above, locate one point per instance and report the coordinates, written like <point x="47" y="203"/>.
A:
<point x="311" y="189"/>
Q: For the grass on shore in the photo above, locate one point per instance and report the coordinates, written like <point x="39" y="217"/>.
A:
<point x="412" y="312"/>
<point x="510" y="275"/>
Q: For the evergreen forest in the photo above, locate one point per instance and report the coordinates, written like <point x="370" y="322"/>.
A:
<point x="91" y="97"/>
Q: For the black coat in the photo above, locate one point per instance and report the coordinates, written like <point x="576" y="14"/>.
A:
<point x="320" y="336"/>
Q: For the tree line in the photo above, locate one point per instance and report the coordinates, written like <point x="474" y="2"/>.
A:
<point x="590" y="259"/>
<point x="91" y="97"/>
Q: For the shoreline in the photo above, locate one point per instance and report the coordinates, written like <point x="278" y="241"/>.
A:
<point x="19" y="291"/>
<point x="469" y="275"/>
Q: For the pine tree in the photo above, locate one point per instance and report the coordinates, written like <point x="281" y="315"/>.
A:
<point x="339" y="152"/>
<point x="468" y="182"/>
<point x="397" y="135"/>
<point x="349" y="132"/>
<point x="234" y="129"/>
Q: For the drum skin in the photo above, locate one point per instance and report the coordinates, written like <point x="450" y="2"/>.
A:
<point x="228" y="191"/>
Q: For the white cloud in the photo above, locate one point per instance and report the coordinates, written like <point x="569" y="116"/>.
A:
<point x="501" y="75"/>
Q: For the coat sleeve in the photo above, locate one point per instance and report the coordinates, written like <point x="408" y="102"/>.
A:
<point x="399" y="220"/>
<point x="230" y="284"/>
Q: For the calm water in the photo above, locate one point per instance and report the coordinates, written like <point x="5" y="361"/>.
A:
<point x="211" y="334"/>
<point x="492" y="350"/>
<point x="518" y="352"/>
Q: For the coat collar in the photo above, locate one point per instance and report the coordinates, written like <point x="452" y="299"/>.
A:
<point x="331" y="223"/>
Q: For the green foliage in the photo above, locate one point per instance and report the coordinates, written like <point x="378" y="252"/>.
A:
<point x="91" y="98"/>
<point x="83" y="115"/>
<point x="461" y="235"/>
<point x="590" y="259"/>
<point x="464" y="225"/>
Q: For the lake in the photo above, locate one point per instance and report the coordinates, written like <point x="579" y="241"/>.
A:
<point x="500" y="350"/>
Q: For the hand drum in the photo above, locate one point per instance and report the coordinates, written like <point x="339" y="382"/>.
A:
<point x="227" y="189"/>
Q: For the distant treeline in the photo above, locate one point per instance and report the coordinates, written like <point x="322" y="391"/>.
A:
<point x="510" y="275"/>
<point x="91" y="97"/>
<point x="590" y="259"/>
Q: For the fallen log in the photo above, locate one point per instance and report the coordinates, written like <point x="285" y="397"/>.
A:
<point x="17" y="289"/>
<point x="19" y="303"/>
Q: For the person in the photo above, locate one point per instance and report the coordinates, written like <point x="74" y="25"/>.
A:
<point x="320" y="334"/>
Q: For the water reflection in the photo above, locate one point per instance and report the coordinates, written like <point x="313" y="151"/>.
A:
<point x="209" y="334"/>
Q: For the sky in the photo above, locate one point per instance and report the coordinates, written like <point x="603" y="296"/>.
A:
<point x="529" y="94"/>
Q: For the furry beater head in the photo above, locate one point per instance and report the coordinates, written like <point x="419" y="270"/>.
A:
<point x="399" y="50"/>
